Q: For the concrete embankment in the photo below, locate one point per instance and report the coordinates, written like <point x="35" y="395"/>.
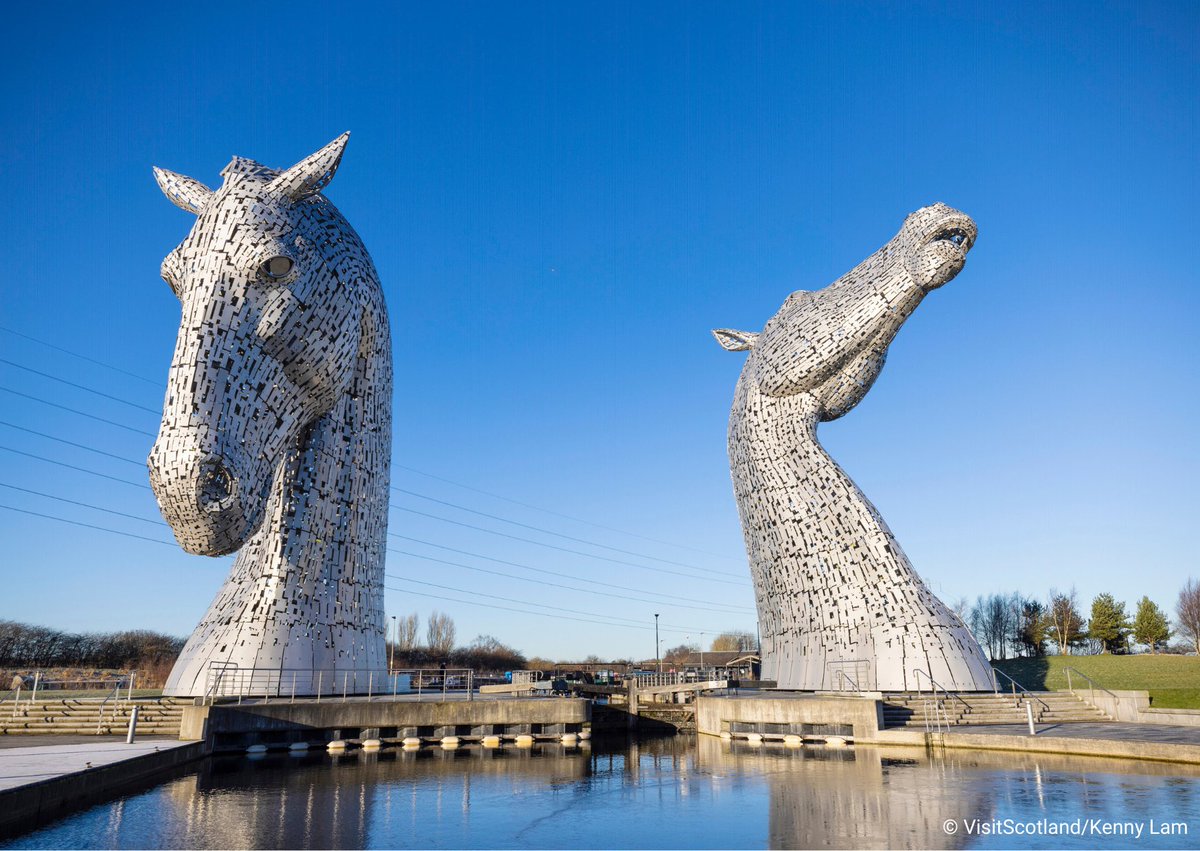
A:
<point x="43" y="782"/>
<point x="280" y="724"/>
<point x="859" y="719"/>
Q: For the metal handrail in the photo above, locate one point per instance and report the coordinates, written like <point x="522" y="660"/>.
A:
<point x="1016" y="685"/>
<point x="840" y="675"/>
<point x="918" y="673"/>
<point x="116" y="693"/>
<point x="230" y="680"/>
<point x="1092" y="684"/>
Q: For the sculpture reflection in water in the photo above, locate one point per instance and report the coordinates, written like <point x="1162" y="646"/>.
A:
<point x="680" y="792"/>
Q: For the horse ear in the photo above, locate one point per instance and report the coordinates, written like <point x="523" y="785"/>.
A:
<point x="313" y="173"/>
<point x="735" y="341"/>
<point x="186" y="193"/>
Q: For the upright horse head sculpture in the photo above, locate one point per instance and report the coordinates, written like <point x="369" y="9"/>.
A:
<point x="276" y="429"/>
<point x="839" y="604"/>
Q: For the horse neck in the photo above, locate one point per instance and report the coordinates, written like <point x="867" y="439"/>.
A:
<point x="329" y="495"/>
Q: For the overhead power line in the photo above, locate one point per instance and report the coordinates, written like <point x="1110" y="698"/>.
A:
<point x="73" y="443"/>
<point x="395" y="465"/>
<point x="549" y="584"/>
<point x="76" y="411"/>
<point x="88" y="525"/>
<point x="559" y="534"/>
<point x="691" y="576"/>
<point x="73" y="467"/>
<point x="608" y="621"/>
<point x="542" y="605"/>
<point x="158" y="521"/>
<point x="680" y="630"/>
<point x="81" y="356"/>
<point x="537" y="569"/>
<point x="668" y="601"/>
<point x="553" y="513"/>
<point x="424" y="514"/>
<point x="78" y="386"/>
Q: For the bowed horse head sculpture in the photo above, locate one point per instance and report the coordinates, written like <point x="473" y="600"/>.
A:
<point x="839" y="603"/>
<point x="276" y="429"/>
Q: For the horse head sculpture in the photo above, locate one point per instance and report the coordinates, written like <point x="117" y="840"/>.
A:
<point x="276" y="428"/>
<point x="839" y="603"/>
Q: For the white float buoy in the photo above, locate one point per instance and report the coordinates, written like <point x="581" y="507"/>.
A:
<point x="411" y="742"/>
<point x="371" y="744"/>
<point x="336" y="745"/>
<point x="569" y="739"/>
<point x="793" y="741"/>
<point x="256" y="749"/>
<point x="835" y="742"/>
<point x="754" y="738"/>
<point x="298" y="746"/>
<point x="450" y="740"/>
<point x="584" y="735"/>
<point x="491" y="741"/>
<point x="524" y="741"/>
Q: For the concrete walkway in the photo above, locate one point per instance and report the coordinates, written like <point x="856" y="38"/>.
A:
<point x="1116" y="730"/>
<point x="1161" y="742"/>
<point x="35" y="759"/>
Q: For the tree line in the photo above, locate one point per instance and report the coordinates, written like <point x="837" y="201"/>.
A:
<point x="24" y="645"/>
<point x="484" y="653"/>
<point x="1016" y="625"/>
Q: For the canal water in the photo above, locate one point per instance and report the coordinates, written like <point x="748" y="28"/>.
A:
<point x="682" y="792"/>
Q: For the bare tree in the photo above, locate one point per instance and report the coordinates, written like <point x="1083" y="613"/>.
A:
<point x="1065" y="622"/>
<point x="677" y="655"/>
<point x="996" y="622"/>
<point x="1187" y="610"/>
<point x="738" y="640"/>
<point x="406" y="631"/>
<point x="439" y="633"/>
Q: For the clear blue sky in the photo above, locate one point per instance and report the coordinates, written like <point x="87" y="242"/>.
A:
<point x="562" y="200"/>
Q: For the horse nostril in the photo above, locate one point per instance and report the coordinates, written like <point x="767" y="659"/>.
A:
<point x="217" y="487"/>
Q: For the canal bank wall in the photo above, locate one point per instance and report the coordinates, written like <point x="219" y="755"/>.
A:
<point x="104" y="769"/>
<point x="858" y="719"/>
<point x="227" y="727"/>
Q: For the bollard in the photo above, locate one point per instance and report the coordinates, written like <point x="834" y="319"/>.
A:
<point x="132" y="726"/>
<point x="1029" y="715"/>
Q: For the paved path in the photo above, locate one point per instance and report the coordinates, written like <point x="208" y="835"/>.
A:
<point x="1164" y="742"/>
<point x="1117" y="730"/>
<point x="22" y="765"/>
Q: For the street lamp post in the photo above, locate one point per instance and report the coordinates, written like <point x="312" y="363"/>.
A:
<point x="392" y="651"/>
<point x="657" y="653"/>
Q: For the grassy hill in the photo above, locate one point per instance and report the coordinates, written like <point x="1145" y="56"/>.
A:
<point x="1173" y="681"/>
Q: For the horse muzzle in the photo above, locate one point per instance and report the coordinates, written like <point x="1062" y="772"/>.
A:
<point x="203" y="500"/>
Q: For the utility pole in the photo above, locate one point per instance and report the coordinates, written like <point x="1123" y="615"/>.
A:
<point x="657" y="653"/>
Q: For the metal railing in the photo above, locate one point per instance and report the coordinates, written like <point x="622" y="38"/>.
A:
<point x="1093" y="686"/>
<point x="1015" y="687"/>
<point x="230" y="680"/>
<point x="115" y="697"/>
<point x="940" y="714"/>
<point x="841" y="678"/>
<point x="653" y="678"/>
<point x="40" y="684"/>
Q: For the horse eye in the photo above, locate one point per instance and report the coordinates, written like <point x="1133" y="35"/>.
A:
<point x="276" y="267"/>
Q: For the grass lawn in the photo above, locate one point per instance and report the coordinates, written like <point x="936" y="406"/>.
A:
<point x="1173" y="681"/>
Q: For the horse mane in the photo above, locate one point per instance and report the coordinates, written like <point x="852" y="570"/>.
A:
<point x="244" y="167"/>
